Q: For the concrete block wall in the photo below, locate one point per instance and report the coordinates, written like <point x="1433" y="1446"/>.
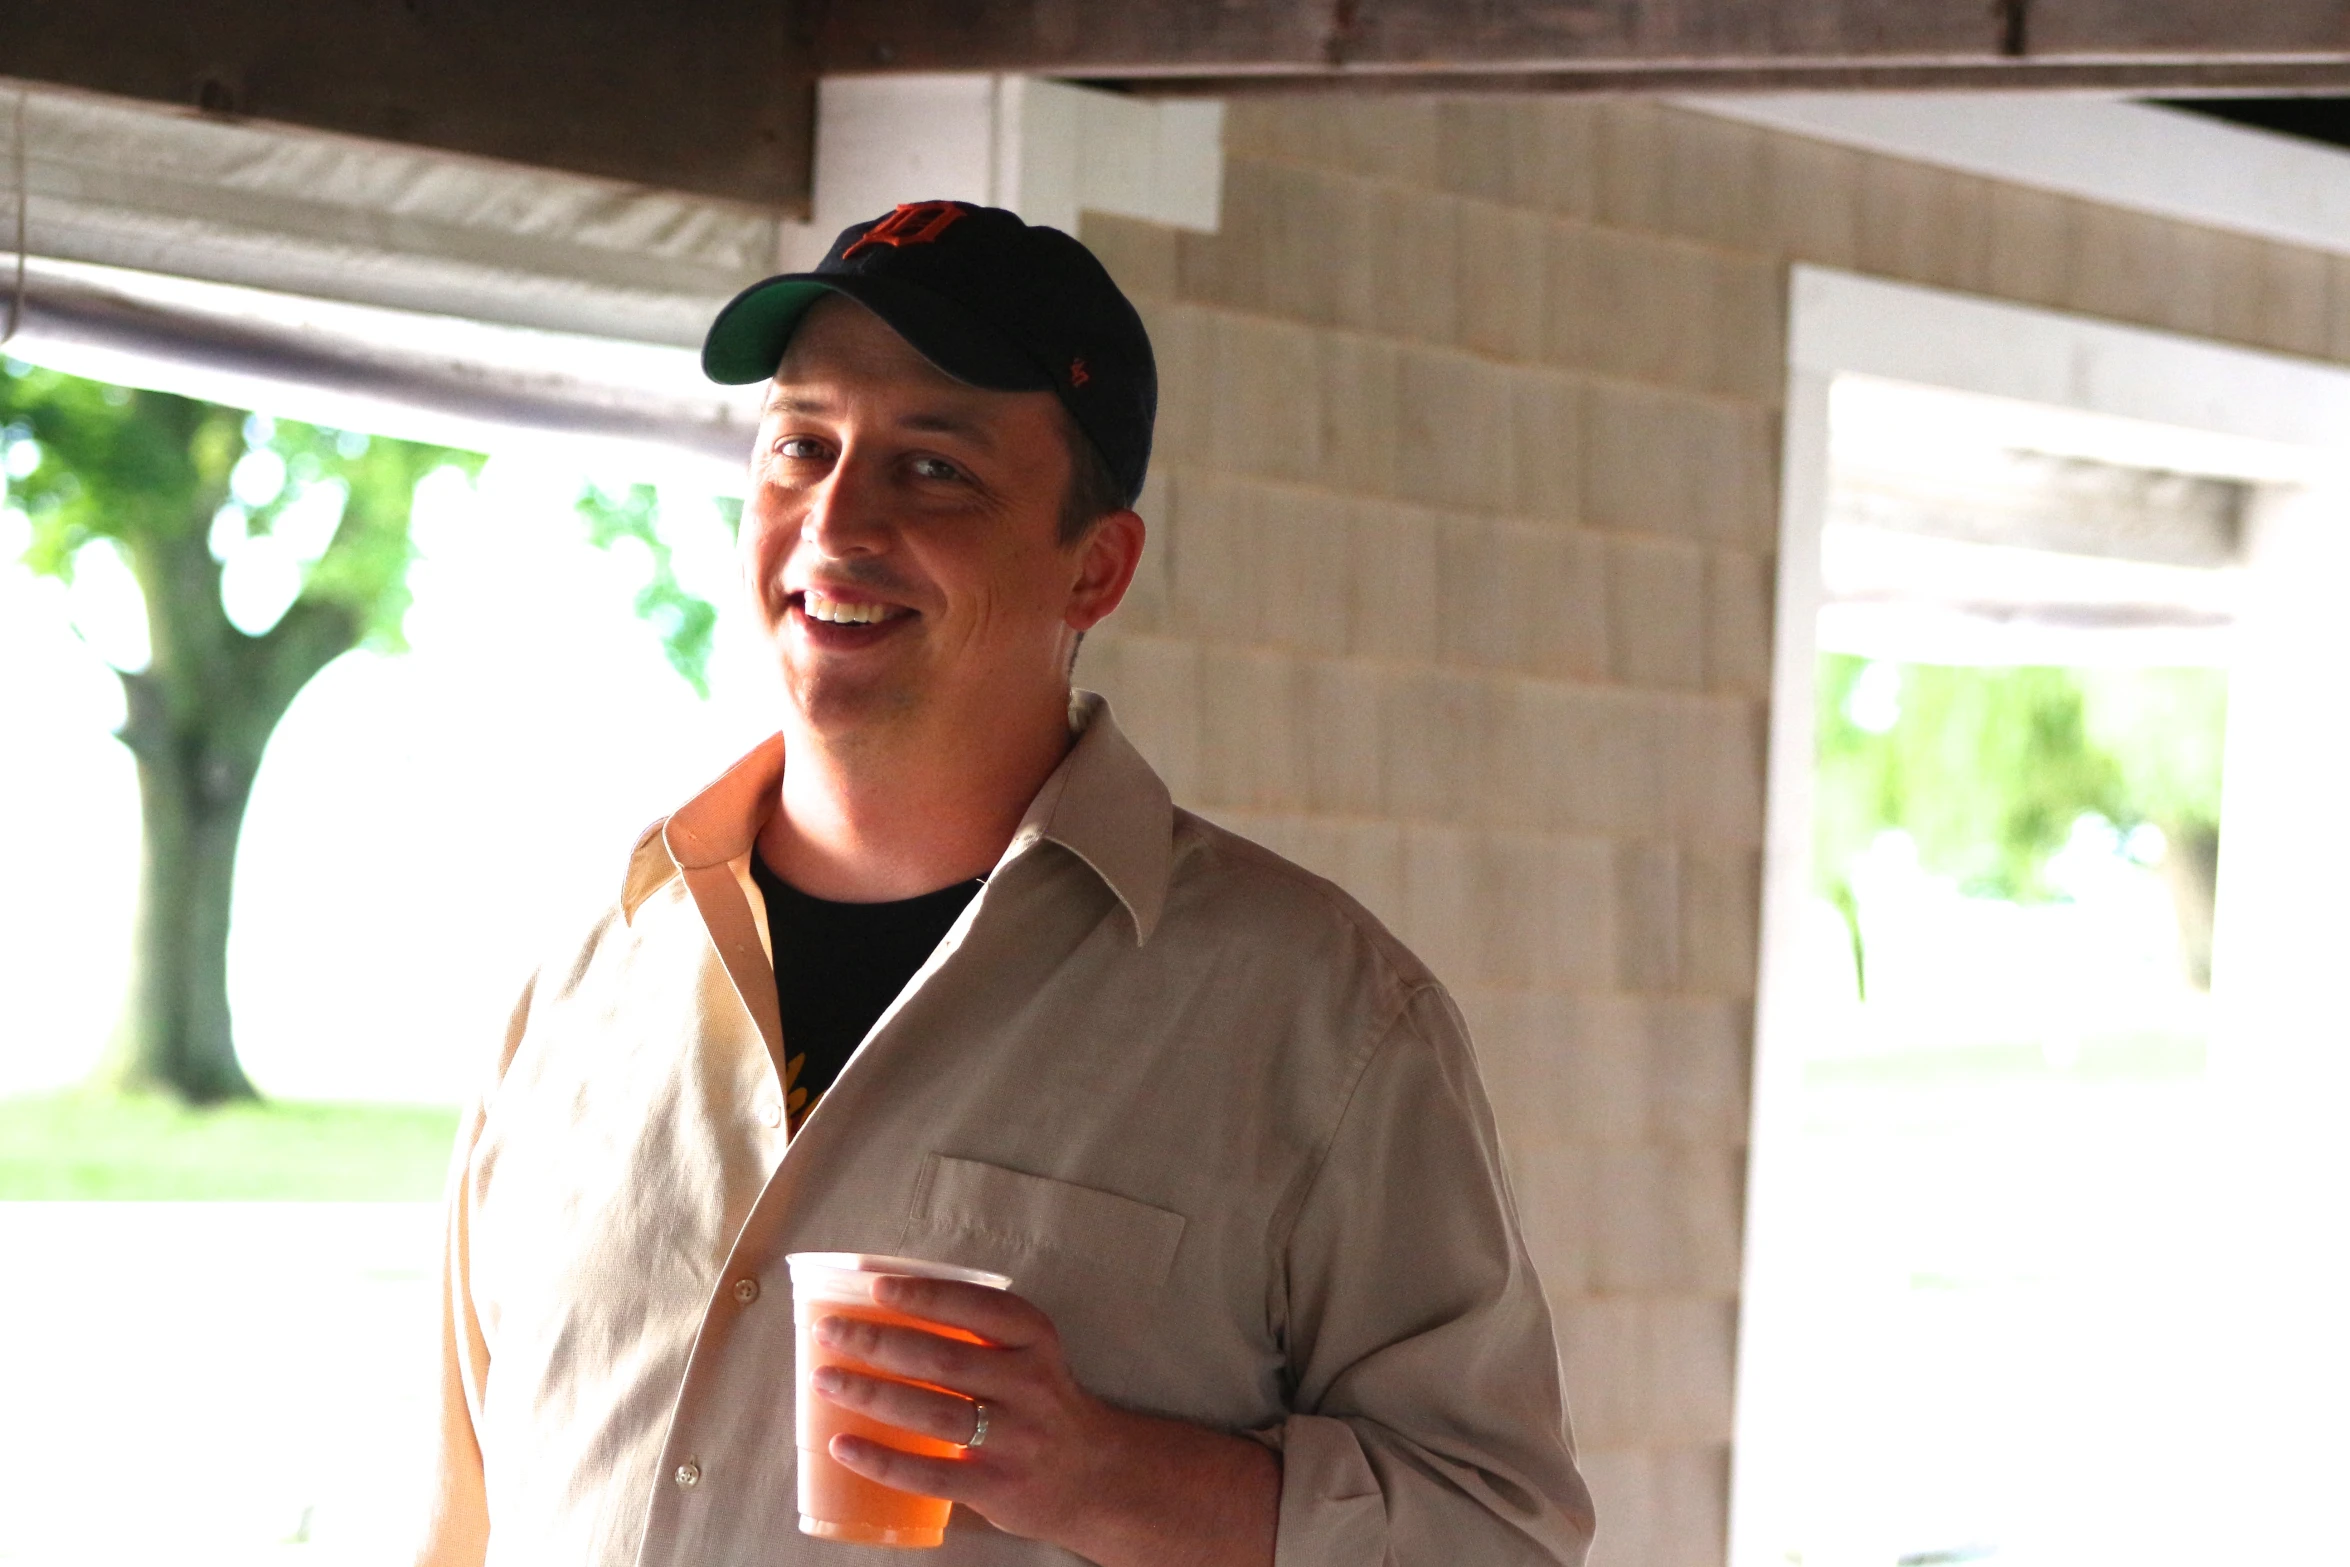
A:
<point x="1460" y="592"/>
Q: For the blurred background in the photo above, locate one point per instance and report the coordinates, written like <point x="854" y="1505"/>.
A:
<point x="2000" y="1135"/>
<point x="1804" y="580"/>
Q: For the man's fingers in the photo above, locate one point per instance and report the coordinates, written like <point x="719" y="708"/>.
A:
<point x="943" y="1416"/>
<point x="955" y="1479"/>
<point x="999" y="1316"/>
<point x="977" y="1370"/>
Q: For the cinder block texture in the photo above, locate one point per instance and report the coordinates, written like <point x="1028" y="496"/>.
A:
<point x="1669" y="1509"/>
<point x="1459" y="591"/>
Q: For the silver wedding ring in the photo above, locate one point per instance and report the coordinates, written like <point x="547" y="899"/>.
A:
<point x="978" y="1425"/>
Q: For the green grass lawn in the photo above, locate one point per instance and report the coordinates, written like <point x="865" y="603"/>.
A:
<point x="89" y="1147"/>
<point x="2112" y="1058"/>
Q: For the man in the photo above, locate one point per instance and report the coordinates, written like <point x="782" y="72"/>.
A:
<point x="940" y="971"/>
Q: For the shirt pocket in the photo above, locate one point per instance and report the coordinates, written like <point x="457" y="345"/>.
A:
<point x="1097" y="1263"/>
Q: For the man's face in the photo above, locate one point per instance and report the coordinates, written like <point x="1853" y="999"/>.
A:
<point x="901" y="535"/>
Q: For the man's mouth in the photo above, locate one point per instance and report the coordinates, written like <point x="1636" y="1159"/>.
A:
<point x="823" y="609"/>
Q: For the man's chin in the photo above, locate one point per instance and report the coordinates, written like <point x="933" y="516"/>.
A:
<point x="839" y="704"/>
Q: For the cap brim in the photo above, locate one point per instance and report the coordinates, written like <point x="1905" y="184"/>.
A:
<point x="747" y="341"/>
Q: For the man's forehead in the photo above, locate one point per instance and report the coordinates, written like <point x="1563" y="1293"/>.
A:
<point x="840" y="339"/>
<point x="843" y="354"/>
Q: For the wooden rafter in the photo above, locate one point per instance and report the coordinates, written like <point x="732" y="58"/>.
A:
<point x="716" y="96"/>
<point x="2167" y="43"/>
<point x="710" y="96"/>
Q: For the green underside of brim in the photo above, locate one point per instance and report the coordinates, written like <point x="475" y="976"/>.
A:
<point x="747" y="340"/>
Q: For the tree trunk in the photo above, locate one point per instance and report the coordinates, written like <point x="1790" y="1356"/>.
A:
<point x="2191" y="869"/>
<point x="175" y="1028"/>
<point x="198" y="720"/>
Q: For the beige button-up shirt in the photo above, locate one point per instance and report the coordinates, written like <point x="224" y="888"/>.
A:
<point x="1203" y="1109"/>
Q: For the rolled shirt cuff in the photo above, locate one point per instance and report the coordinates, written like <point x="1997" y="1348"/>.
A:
<point x="1333" y="1513"/>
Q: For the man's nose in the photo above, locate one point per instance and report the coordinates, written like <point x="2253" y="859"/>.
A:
<point x="846" y="514"/>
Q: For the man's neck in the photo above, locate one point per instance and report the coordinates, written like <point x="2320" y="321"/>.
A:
<point x="871" y="816"/>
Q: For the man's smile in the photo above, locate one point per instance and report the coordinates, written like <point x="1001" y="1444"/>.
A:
<point x="833" y="621"/>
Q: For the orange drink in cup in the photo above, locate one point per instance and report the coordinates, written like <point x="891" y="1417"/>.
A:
<point x="837" y="1503"/>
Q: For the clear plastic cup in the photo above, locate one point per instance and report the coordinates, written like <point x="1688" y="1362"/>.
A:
<point x="837" y="1503"/>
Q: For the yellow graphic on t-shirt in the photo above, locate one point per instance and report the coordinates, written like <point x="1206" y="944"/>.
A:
<point x="795" y="1098"/>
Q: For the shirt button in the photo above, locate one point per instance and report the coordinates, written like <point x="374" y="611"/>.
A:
<point x="689" y="1475"/>
<point x="771" y="1115"/>
<point x="746" y="1290"/>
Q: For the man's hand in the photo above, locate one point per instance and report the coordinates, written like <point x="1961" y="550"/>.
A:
<point x="1058" y="1465"/>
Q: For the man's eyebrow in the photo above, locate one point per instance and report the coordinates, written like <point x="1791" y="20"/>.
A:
<point x="781" y="401"/>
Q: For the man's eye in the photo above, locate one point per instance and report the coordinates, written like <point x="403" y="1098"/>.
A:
<point x="935" y="468"/>
<point x="800" y="448"/>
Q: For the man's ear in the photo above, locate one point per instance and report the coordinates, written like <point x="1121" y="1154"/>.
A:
<point x="1106" y="560"/>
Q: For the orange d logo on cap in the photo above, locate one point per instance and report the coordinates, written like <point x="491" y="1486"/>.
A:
<point x="911" y="223"/>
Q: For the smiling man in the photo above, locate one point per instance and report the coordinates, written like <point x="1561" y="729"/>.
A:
<point x="939" y="970"/>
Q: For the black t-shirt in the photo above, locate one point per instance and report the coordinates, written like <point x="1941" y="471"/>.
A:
<point x="837" y="966"/>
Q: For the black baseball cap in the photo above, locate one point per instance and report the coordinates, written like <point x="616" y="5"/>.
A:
<point x="988" y="298"/>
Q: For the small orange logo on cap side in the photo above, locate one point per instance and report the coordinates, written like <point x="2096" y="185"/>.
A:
<point x="1078" y="374"/>
<point x="912" y="223"/>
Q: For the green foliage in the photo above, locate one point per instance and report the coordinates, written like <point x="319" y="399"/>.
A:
<point x="107" y="462"/>
<point x="1988" y="769"/>
<point x="365" y="568"/>
<point x="2166" y="728"/>
<point x="142" y="468"/>
<point x="686" y="623"/>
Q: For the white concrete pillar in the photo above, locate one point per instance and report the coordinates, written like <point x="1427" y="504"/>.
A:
<point x="2284" y="877"/>
<point x="2280" y="1290"/>
<point x="1045" y="149"/>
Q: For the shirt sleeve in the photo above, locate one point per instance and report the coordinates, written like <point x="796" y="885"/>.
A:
<point x="1429" y="1425"/>
<point x="457" y="1526"/>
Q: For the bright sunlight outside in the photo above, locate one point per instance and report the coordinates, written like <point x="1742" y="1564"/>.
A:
<point x="422" y="822"/>
<point x="2002" y="1105"/>
<point x="1997" y="1317"/>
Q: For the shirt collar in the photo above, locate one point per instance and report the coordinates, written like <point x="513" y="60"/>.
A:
<point x="1103" y="804"/>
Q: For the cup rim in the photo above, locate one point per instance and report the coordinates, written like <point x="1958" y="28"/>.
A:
<point x="878" y="1265"/>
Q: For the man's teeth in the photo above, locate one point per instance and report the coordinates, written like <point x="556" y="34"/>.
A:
<point x="819" y="607"/>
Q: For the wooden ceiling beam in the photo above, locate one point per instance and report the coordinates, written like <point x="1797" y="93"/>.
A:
<point x="1627" y="44"/>
<point x="715" y="97"/>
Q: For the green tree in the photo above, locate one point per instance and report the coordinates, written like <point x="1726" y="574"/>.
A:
<point x="174" y="486"/>
<point x="687" y="624"/>
<point x="1987" y="770"/>
<point x="2167" y="728"/>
